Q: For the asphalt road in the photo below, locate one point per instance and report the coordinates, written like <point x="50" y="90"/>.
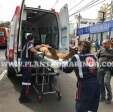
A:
<point x="2" y="60"/>
<point x="9" y="93"/>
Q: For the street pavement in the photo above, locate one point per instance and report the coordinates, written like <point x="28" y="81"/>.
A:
<point x="9" y="93"/>
<point x="2" y="60"/>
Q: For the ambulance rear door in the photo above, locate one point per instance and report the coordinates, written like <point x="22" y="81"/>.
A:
<point x="64" y="29"/>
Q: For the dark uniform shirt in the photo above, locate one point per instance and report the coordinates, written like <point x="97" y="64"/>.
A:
<point x="85" y="69"/>
<point x="26" y="54"/>
<point x="84" y="66"/>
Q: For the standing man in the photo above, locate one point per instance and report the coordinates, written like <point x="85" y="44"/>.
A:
<point x="105" y="57"/>
<point x="84" y="66"/>
<point x="27" y="52"/>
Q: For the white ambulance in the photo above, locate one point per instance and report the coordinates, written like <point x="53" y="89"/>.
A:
<point x="47" y="26"/>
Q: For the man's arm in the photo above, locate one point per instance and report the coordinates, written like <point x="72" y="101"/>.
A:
<point x="70" y="66"/>
<point x="42" y="45"/>
<point x="33" y="49"/>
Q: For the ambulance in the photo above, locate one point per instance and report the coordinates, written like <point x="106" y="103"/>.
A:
<point x="47" y="27"/>
<point x="4" y="34"/>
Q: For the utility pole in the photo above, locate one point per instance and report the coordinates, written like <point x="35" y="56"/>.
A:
<point x="111" y="13"/>
<point x="102" y="20"/>
<point x="89" y="32"/>
<point x="78" y="17"/>
<point x="78" y="24"/>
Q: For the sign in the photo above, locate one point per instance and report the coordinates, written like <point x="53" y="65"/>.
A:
<point x="101" y="27"/>
<point x="1" y="33"/>
<point x="90" y="62"/>
<point x="97" y="28"/>
<point x="84" y="30"/>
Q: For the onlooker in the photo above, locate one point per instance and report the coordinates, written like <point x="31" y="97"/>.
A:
<point x="105" y="57"/>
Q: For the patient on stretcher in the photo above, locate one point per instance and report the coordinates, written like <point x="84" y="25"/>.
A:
<point x="54" y="54"/>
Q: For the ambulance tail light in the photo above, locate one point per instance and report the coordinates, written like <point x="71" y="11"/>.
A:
<point x="11" y="55"/>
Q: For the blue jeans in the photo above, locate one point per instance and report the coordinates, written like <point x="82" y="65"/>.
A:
<point x="104" y="77"/>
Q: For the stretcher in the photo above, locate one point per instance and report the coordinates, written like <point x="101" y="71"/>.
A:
<point x="46" y="77"/>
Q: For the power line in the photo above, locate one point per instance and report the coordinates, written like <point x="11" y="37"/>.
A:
<point x="91" y="2"/>
<point x="96" y="4"/>
<point x="89" y="5"/>
<point x="76" y="5"/>
<point x="86" y="4"/>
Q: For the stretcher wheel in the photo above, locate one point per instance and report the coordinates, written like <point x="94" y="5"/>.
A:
<point x="59" y="97"/>
<point x="40" y="98"/>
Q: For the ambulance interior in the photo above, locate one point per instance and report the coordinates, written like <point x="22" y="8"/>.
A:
<point x="43" y="25"/>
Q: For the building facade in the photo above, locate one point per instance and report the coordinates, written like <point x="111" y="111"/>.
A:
<point x="84" y="22"/>
<point x="103" y="27"/>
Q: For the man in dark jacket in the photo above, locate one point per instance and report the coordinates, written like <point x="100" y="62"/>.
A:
<point x="105" y="58"/>
<point x="88" y="91"/>
<point x="27" y="52"/>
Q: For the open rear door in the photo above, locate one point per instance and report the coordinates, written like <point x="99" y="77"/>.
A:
<point x="64" y="29"/>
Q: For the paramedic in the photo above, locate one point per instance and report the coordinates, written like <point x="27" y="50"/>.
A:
<point x="28" y="50"/>
<point x="84" y="65"/>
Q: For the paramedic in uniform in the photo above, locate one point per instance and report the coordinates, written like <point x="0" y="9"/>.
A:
<point x="84" y="65"/>
<point x="27" y="52"/>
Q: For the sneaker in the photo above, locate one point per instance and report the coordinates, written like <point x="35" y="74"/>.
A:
<point x="24" y="100"/>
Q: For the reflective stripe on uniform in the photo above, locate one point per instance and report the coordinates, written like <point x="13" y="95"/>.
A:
<point x="29" y="46"/>
<point x="26" y="84"/>
<point x="79" y="65"/>
<point x="27" y="50"/>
